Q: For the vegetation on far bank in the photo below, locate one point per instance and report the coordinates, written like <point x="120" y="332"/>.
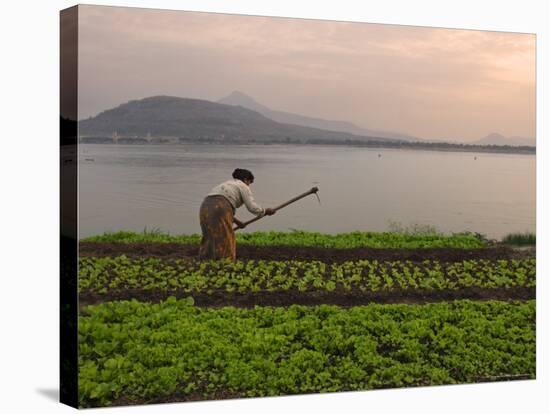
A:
<point x="520" y="239"/>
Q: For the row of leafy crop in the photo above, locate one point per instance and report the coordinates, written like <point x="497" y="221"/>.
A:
<point x="138" y="352"/>
<point x="303" y="238"/>
<point x="101" y="274"/>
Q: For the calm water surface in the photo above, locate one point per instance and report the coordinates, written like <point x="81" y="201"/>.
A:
<point x="130" y="187"/>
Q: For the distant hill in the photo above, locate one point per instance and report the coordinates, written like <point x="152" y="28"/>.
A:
<point x="196" y="119"/>
<point x="498" y="139"/>
<point x="237" y="98"/>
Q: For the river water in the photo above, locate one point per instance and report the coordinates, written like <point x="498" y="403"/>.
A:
<point x="132" y="187"/>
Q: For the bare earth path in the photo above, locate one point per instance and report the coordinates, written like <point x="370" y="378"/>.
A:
<point x="190" y="251"/>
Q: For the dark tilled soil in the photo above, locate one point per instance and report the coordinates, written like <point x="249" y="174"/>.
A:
<point x="224" y="394"/>
<point x="178" y="397"/>
<point x="187" y="251"/>
<point x="294" y="297"/>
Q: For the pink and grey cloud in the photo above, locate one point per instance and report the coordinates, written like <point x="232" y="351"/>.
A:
<point x="429" y="82"/>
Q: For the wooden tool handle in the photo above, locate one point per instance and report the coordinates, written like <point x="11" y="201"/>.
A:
<point x="292" y="200"/>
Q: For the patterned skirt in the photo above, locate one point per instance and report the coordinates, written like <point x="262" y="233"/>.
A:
<point x="218" y="236"/>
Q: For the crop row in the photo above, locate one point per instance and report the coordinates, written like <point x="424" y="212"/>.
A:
<point x="302" y="238"/>
<point x="101" y="274"/>
<point x="137" y="352"/>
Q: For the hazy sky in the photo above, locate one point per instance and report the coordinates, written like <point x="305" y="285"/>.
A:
<point x="431" y="83"/>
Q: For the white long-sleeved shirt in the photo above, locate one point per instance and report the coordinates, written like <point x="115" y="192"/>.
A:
<point x="238" y="193"/>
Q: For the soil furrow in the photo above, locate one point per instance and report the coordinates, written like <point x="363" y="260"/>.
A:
<point x="293" y="297"/>
<point x="328" y="255"/>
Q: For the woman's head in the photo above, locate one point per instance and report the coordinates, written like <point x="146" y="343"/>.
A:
<point x="243" y="175"/>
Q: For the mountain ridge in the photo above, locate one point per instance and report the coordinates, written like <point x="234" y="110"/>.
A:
<point x="495" y="138"/>
<point x="238" y="98"/>
<point x="191" y="119"/>
<point x="197" y="119"/>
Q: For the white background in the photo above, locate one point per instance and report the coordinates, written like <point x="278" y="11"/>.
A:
<point x="29" y="163"/>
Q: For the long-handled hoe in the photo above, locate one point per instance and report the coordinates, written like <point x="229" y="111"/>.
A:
<point x="314" y="190"/>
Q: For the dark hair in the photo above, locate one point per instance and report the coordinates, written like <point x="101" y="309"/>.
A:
<point x="242" y="175"/>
